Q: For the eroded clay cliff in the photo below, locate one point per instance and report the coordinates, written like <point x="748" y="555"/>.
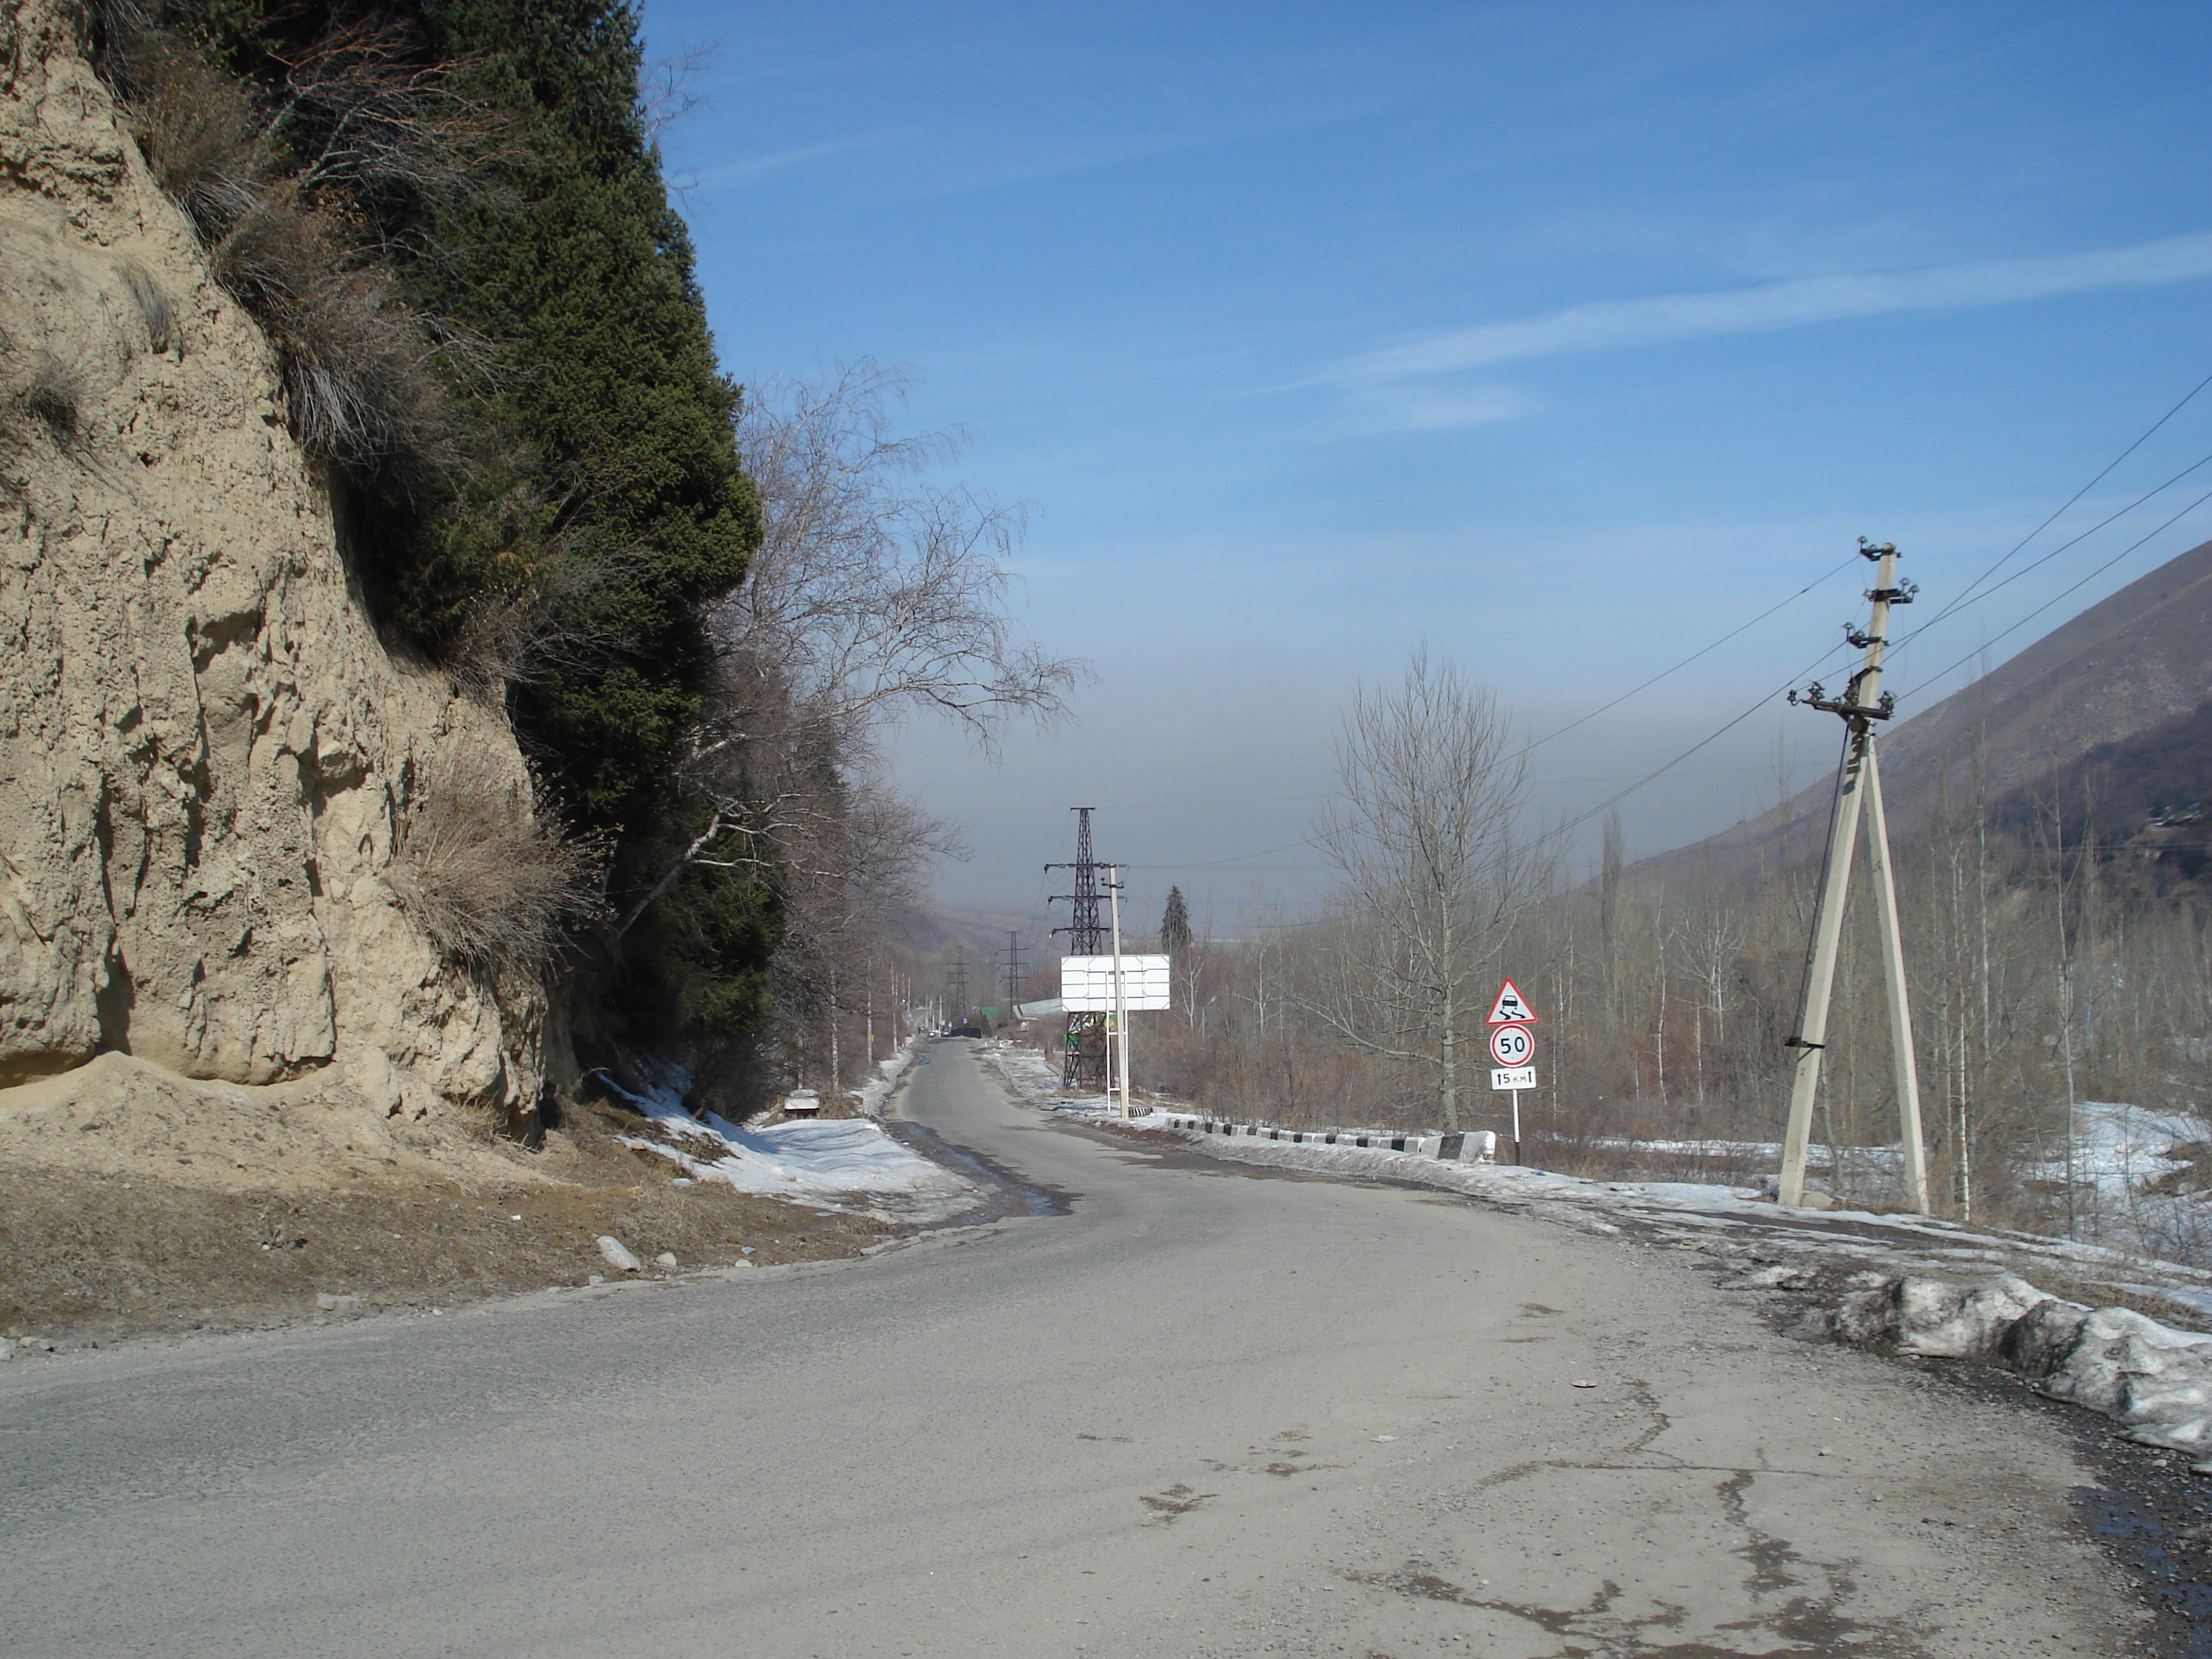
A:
<point x="204" y="749"/>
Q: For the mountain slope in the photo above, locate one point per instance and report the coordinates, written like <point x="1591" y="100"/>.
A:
<point x="2135" y="662"/>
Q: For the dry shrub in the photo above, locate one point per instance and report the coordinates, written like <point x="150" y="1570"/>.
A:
<point x="357" y="365"/>
<point x="543" y="623"/>
<point x="51" y="401"/>
<point x="201" y="134"/>
<point x="494" y="881"/>
<point x="155" y="310"/>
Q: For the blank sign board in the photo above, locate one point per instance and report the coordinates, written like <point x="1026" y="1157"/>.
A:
<point x="1086" y="983"/>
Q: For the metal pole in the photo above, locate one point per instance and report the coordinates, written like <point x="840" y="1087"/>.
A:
<point x="1121" y="995"/>
<point x="1914" y="1150"/>
<point x="1517" y="1126"/>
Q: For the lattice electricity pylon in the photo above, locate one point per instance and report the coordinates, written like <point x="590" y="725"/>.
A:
<point x="1013" y="976"/>
<point x="1082" y="1046"/>
<point x="957" y="975"/>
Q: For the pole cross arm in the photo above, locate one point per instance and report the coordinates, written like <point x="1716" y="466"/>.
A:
<point x="1884" y="709"/>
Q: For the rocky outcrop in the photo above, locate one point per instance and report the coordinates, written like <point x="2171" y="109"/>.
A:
<point x="204" y="749"/>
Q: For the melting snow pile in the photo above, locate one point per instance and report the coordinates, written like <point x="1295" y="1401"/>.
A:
<point x="835" y="1163"/>
<point x="2155" y="1381"/>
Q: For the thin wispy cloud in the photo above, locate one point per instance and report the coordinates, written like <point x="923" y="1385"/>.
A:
<point x="1624" y="324"/>
<point x="1408" y="409"/>
<point x="752" y="168"/>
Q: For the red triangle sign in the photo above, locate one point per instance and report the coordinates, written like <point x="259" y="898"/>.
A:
<point x="1511" y="1008"/>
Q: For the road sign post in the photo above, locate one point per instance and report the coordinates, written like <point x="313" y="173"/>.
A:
<point x="1513" y="1045"/>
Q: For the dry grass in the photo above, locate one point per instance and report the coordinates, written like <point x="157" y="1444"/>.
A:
<point x="155" y="311"/>
<point x="495" y="883"/>
<point x="50" y="401"/>
<point x="358" y="366"/>
<point x="199" y="130"/>
<point x="94" y="1258"/>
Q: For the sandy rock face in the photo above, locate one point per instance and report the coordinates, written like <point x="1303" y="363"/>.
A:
<point x="203" y="747"/>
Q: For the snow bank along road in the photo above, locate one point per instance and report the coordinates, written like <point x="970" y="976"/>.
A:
<point x="1210" y="1410"/>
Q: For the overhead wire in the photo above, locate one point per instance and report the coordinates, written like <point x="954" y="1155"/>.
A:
<point x="1958" y="604"/>
<point x="1704" y="650"/>
<point x="2084" y="582"/>
<point x="1974" y="592"/>
<point x="1693" y="656"/>
<point x="1967" y="595"/>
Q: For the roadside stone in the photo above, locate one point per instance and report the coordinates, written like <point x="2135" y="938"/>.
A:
<point x="666" y="1259"/>
<point x="618" y="1256"/>
<point x="1779" y="1277"/>
<point x="337" y="1304"/>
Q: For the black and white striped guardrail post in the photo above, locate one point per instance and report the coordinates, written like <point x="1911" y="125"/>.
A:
<point x="1464" y="1146"/>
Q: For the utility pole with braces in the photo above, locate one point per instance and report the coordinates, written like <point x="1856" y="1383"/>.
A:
<point x="1858" y="786"/>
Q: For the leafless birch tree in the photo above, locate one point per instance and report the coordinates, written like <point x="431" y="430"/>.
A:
<point x="1430" y="870"/>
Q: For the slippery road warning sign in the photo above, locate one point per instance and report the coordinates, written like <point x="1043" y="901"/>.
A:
<point x="1510" y="1009"/>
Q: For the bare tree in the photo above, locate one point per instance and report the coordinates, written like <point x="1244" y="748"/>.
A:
<point x="874" y="595"/>
<point x="1430" y="870"/>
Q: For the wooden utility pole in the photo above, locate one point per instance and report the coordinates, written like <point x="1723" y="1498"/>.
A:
<point x="1857" y="787"/>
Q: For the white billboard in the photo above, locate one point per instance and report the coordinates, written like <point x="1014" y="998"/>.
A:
<point x="1086" y="983"/>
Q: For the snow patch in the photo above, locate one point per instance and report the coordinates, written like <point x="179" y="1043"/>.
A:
<point x="2154" y="1381"/>
<point x="831" y="1163"/>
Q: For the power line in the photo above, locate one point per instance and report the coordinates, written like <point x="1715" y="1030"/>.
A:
<point x="1967" y="595"/>
<point x="1713" y="736"/>
<point x="1702" y="651"/>
<point x="1958" y="604"/>
<point x="2062" y="592"/>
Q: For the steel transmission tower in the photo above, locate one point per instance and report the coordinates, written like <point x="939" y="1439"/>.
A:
<point x="1013" y="973"/>
<point x="1083" y="1053"/>
<point x="956" y="977"/>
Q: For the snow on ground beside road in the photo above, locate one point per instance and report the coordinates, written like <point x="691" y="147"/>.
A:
<point x="878" y="1089"/>
<point x="831" y="1163"/>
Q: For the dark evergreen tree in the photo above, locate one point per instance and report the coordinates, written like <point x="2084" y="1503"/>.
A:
<point x="1175" y="924"/>
<point x="588" y="476"/>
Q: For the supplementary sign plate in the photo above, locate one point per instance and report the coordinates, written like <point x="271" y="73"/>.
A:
<point x="1512" y="1045"/>
<point x="1513" y="1077"/>
<point x="1511" y="1008"/>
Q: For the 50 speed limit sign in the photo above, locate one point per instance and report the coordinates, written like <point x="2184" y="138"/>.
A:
<point x="1512" y="1045"/>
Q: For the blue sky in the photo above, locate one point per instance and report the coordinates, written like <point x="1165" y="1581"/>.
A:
<point x="1566" y="337"/>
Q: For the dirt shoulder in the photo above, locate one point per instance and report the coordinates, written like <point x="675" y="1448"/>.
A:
<point x="90" y="1256"/>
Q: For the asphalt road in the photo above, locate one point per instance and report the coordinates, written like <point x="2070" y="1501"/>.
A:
<point x="1206" y="1411"/>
